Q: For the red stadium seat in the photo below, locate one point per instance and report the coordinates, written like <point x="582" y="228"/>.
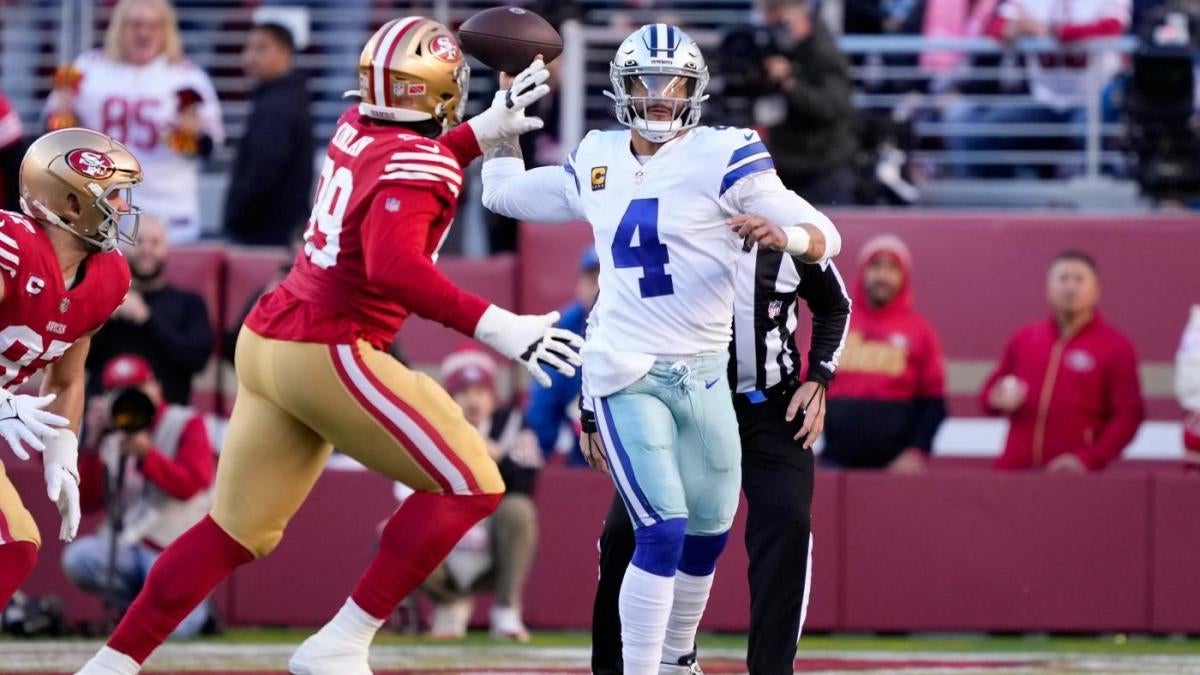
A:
<point x="202" y="269"/>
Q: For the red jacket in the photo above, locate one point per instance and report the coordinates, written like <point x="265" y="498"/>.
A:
<point x="1083" y="395"/>
<point x="190" y="472"/>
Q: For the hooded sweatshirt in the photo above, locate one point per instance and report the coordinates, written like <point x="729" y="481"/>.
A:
<point x="890" y="390"/>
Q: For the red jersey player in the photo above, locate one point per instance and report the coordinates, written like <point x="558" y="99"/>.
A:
<point x="312" y="368"/>
<point x="60" y="280"/>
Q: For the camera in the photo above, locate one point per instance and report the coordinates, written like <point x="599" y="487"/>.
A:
<point x="131" y="410"/>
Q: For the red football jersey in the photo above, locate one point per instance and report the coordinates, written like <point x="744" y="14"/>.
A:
<point x="384" y="202"/>
<point x="40" y="318"/>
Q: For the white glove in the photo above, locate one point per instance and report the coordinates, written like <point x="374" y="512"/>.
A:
<point x="62" y="480"/>
<point x="22" y="418"/>
<point x="530" y="340"/>
<point x="506" y="117"/>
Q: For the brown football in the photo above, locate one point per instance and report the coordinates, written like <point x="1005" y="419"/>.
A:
<point x="507" y="39"/>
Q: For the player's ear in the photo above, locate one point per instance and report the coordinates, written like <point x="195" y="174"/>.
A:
<point x="74" y="205"/>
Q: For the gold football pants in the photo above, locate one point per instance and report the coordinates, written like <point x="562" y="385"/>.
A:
<point x="296" y="401"/>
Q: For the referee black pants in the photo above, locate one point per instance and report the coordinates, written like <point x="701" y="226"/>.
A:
<point x="777" y="479"/>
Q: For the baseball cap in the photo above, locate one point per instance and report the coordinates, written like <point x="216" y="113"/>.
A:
<point x="126" y="370"/>
<point x="468" y="366"/>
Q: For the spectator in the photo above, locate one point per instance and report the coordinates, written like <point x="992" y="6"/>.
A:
<point x="167" y="325"/>
<point x="497" y="553"/>
<point x="1069" y="385"/>
<point x="555" y="408"/>
<point x="814" y="143"/>
<point x="142" y="91"/>
<point x="162" y="475"/>
<point x="1187" y="388"/>
<point x="891" y="373"/>
<point x="12" y="150"/>
<point x="1058" y="81"/>
<point x="268" y="194"/>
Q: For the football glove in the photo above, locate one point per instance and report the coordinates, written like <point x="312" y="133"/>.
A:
<point x="62" y="480"/>
<point x="23" y="418"/>
<point x="532" y="341"/>
<point x="506" y="116"/>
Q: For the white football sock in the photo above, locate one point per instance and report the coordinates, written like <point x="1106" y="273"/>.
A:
<point x="691" y="596"/>
<point x="353" y="625"/>
<point x="109" y="661"/>
<point x="645" y="606"/>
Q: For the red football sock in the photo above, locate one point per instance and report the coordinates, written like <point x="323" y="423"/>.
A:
<point x="180" y="579"/>
<point x="417" y="538"/>
<point x="16" y="562"/>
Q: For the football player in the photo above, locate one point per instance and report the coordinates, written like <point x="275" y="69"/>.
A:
<point x="671" y="204"/>
<point x="313" y="367"/>
<point x="60" y="280"/>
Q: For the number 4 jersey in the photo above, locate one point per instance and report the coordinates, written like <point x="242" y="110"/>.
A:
<point x="666" y="250"/>
<point x="385" y="200"/>
<point x="40" y="317"/>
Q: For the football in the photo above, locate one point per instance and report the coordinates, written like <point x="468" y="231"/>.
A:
<point x="507" y="39"/>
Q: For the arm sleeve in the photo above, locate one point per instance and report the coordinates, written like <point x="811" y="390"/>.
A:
<point x="461" y="142"/>
<point x="210" y="108"/>
<point x="1005" y="367"/>
<point x="398" y="262"/>
<point x="547" y="194"/>
<point x="1126" y="411"/>
<point x="763" y="193"/>
<point x="192" y="468"/>
<point x="548" y="409"/>
<point x="823" y="291"/>
<point x="930" y="400"/>
<point x="188" y="344"/>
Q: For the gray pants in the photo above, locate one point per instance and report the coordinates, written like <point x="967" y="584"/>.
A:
<point x="85" y="562"/>
<point x="513" y="536"/>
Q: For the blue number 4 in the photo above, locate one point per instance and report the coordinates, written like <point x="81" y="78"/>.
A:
<point x="650" y="254"/>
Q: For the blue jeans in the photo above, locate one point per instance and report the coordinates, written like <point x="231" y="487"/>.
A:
<point x="85" y="562"/>
<point x="673" y="445"/>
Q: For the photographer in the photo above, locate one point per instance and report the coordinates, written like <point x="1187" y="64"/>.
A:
<point x="150" y="466"/>
<point x="803" y="75"/>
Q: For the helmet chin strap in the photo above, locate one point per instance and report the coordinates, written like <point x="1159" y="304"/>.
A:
<point x="43" y="213"/>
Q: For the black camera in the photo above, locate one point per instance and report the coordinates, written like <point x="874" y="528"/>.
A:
<point x="131" y="410"/>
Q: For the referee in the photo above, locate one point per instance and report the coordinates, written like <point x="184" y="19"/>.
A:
<point x="777" y="466"/>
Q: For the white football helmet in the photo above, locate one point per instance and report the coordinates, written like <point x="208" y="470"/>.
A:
<point x="658" y="76"/>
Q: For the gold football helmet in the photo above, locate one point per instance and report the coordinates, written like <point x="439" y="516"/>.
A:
<point x="412" y="69"/>
<point x="67" y="177"/>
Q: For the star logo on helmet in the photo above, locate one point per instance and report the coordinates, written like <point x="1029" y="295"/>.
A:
<point x="91" y="163"/>
<point x="444" y="47"/>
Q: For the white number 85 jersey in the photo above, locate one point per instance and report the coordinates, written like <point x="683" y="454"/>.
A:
<point x="666" y="252"/>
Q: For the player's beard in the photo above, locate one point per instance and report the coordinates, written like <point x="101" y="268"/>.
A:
<point x="149" y="275"/>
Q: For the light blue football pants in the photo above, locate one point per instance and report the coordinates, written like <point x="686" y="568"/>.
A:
<point x="673" y="446"/>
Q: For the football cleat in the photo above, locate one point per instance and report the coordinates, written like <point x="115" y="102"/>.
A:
<point x="324" y="654"/>
<point x="506" y="624"/>
<point x="686" y="665"/>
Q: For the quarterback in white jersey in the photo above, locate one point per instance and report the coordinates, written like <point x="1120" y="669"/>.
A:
<point x="672" y="206"/>
<point x="139" y="105"/>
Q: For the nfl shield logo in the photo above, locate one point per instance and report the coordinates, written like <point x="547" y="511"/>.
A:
<point x="774" y="309"/>
<point x="62" y="306"/>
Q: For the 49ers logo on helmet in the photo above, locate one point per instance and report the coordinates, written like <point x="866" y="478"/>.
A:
<point x="91" y="163"/>
<point x="444" y="48"/>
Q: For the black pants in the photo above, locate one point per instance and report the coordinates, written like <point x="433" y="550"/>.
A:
<point x="777" y="479"/>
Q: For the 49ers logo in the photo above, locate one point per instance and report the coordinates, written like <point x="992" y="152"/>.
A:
<point x="91" y="163"/>
<point x="444" y="48"/>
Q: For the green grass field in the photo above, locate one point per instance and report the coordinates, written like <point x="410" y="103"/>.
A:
<point x="266" y="651"/>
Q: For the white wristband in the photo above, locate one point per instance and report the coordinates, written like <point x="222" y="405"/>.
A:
<point x="64" y="451"/>
<point x="798" y="240"/>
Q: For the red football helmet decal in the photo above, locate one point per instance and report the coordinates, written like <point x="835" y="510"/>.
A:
<point x="91" y="163"/>
<point x="444" y="47"/>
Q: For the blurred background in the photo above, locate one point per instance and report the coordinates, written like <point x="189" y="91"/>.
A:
<point x="997" y="143"/>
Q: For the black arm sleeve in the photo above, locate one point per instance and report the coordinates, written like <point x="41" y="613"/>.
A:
<point x="823" y="291"/>
<point x="928" y="414"/>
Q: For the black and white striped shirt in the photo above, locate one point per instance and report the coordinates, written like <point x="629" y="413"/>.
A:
<point x="763" y="352"/>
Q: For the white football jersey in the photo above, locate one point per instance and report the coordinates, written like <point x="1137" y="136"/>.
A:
<point x="666" y="251"/>
<point x="138" y="105"/>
